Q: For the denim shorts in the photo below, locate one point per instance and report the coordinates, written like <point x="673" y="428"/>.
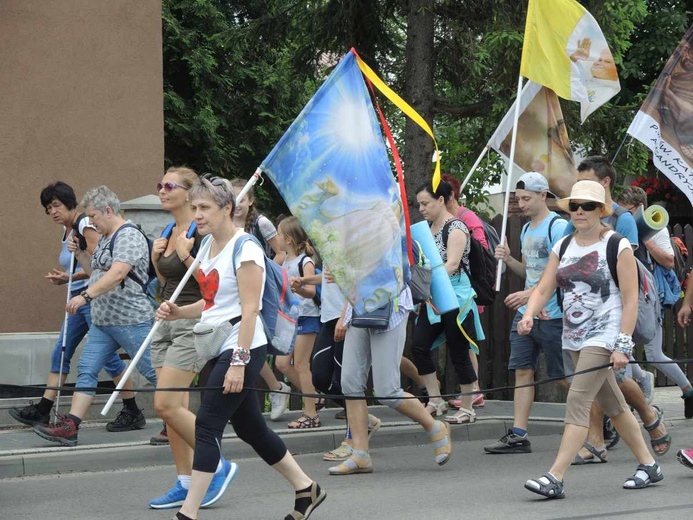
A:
<point x="307" y="325"/>
<point x="546" y="335"/>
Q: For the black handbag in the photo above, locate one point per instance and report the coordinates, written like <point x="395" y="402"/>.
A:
<point x="378" y="319"/>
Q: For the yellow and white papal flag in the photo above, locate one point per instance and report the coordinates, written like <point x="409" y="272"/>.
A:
<point x="565" y="50"/>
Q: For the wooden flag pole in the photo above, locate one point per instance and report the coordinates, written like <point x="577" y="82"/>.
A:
<point x="513" y="141"/>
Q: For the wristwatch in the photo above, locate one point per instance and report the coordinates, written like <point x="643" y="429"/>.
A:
<point x="84" y="294"/>
<point x="240" y="356"/>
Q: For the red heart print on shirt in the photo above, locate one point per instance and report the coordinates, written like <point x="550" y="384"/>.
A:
<point x="209" y="285"/>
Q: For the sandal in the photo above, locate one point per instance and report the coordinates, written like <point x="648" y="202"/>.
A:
<point x="319" y="404"/>
<point x="437" y="409"/>
<point x="343" y="451"/>
<point x="374" y="425"/>
<point x="304" y="422"/>
<point x="598" y="456"/>
<point x="442" y="443"/>
<point x="353" y="465"/>
<point x="546" y="485"/>
<point x="644" y="476"/>
<point x="664" y="440"/>
<point x="464" y="416"/>
<point x="316" y="494"/>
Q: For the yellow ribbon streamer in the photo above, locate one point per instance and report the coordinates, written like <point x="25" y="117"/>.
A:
<point x="404" y="107"/>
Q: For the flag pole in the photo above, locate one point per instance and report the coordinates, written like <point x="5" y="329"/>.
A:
<point x="476" y="165"/>
<point x="620" y="147"/>
<point x="140" y="352"/>
<point x="513" y="141"/>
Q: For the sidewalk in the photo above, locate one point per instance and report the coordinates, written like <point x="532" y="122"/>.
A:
<point x="23" y="453"/>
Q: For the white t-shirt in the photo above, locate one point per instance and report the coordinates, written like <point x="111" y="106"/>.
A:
<point x="306" y="306"/>
<point x="331" y="301"/>
<point x="592" y="305"/>
<point x="219" y="288"/>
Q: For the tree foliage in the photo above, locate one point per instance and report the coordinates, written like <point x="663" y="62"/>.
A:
<point x="238" y="72"/>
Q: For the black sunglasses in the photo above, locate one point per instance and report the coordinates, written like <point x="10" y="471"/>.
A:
<point x="586" y="206"/>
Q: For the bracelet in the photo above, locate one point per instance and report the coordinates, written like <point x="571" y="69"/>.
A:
<point x="240" y="357"/>
<point x="84" y="294"/>
<point x="624" y="344"/>
<point x="186" y="259"/>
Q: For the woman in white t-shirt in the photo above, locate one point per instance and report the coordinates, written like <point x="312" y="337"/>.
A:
<point x="232" y="291"/>
<point x="598" y="321"/>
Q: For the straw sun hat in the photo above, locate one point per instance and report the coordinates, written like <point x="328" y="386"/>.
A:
<point x="589" y="191"/>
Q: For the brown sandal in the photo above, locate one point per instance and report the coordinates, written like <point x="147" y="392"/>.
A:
<point x="304" y="422"/>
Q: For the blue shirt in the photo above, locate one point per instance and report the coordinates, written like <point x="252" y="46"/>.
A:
<point x="536" y="248"/>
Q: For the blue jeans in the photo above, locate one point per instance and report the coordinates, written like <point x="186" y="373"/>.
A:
<point x="78" y="325"/>
<point x="546" y="335"/>
<point x="105" y="341"/>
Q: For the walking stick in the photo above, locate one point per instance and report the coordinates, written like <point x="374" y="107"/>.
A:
<point x="62" y="348"/>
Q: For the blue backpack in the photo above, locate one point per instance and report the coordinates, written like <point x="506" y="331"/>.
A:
<point x="279" y="310"/>
<point x="192" y="229"/>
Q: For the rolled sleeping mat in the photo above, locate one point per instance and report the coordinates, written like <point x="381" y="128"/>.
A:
<point x="651" y="221"/>
<point x="442" y="293"/>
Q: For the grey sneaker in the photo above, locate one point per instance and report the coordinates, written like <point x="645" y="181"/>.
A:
<point x="279" y="402"/>
<point x="510" y="443"/>
<point x="647" y="384"/>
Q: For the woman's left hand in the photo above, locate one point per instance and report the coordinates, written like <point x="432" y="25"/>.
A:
<point x="619" y="359"/>
<point x="184" y="245"/>
<point x="75" y="303"/>
<point x="233" y="380"/>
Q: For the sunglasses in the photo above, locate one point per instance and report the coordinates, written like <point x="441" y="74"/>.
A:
<point x="169" y="186"/>
<point x="586" y="206"/>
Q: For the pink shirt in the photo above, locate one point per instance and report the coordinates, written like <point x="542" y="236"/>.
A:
<point x="473" y="223"/>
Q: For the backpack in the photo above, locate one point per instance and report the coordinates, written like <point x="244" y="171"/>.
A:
<point x="482" y="267"/>
<point x="641" y="252"/>
<point x="648" y="300"/>
<point x="679" y="261"/>
<point x="147" y="284"/>
<point x="192" y="229"/>
<point x="80" y="237"/>
<point x="279" y="311"/>
<point x="492" y="238"/>
<point x="526" y="227"/>
<point x="318" y="288"/>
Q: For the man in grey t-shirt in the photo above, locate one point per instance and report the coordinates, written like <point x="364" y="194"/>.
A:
<point x="121" y="314"/>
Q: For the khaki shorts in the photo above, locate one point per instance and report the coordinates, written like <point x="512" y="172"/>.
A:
<point x="600" y="385"/>
<point x="173" y="346"/>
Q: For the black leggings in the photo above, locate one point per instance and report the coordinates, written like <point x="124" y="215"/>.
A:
<point x="326" y="362"/>
<point x="425" y="335"/>
<point x="243" y="409"/>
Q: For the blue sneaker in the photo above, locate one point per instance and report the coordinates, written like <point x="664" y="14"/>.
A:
<point x="220" y="481"/>
<point x="174" y="498"/>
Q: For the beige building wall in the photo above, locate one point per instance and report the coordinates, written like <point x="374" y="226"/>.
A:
<point x="80" y="101"/>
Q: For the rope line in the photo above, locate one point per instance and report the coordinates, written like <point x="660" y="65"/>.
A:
<point x="107" y="391"/>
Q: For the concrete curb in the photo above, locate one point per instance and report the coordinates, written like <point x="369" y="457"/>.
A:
<point x="116" y="456"/>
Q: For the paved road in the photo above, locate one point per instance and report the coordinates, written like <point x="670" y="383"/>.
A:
<point x="406" y="485"/>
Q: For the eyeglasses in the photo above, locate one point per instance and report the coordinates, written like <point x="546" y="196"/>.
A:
<point x="169" y="186"/>
<point x="586" y="206"/>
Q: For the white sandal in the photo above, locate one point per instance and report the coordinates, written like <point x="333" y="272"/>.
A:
<point x="437" y="409"/>
<point x="463" y="416"/>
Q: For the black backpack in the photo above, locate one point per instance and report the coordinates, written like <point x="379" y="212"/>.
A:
<point x="151" y="272"/>
<point x="482" y="267"/>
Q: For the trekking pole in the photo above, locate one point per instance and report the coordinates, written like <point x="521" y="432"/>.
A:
<point x="206" y="245"/>
<point x="62" y="347"/>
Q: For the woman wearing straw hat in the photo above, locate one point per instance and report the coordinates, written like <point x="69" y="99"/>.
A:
<point x="598" y="321"/>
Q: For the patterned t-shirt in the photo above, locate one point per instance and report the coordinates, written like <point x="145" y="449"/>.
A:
<point x="592" y="305"/>
<point x="306" y="306"/>
<point x="126" y="304"/>
<point x="442" y="247"/>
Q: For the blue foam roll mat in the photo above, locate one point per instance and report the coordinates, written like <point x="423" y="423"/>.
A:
<point x="442" y="292"/>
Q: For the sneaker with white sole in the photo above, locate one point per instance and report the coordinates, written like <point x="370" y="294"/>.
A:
<point x="279" y="402"/>
<point x="173" y="498"/>
<point x="220" y="482"/>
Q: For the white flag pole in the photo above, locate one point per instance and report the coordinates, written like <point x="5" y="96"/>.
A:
<point x="203" y="251"/>
<point x="476" y="165"/>
<point x="499" y="271"/>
